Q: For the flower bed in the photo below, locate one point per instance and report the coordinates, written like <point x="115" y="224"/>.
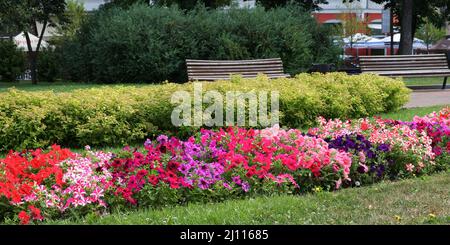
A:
<point x="221" y="164"/>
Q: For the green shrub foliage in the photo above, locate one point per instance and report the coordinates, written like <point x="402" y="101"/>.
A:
<point x="12" y="61"/>
<point x="48" y="66"/>
<point x="150" y="44"/>
<point x="120" y="115"/>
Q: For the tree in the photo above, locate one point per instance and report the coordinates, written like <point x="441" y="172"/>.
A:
<point x="406" y="30"/>
<point x="430" y="33"/>
<point x="190" y="4"/>
<point x="412" y="14"/>
<point x="351" y="24"/>
<point x="183" y="4"/>
<point x="23" y="16"/>
<point x="75" y="15"/>
<point x="12" y="62"/>
<point x="122" y="3"/>
<point x="306" y="4"/>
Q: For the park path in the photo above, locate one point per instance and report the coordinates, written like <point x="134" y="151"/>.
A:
<point x="422" y="98"/>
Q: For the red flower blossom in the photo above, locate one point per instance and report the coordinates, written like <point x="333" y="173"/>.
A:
<point x="36" y="212"/>
<point x="24" y="218"/>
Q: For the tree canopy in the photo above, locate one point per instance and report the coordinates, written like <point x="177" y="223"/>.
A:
<point x="183" y="4"/>
<point x="306" y="4"/>
<point x="23" y="15"/>
<point x="412" y="14"/>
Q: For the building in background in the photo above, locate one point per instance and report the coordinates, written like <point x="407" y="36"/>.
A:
<point x="365" y="10"/>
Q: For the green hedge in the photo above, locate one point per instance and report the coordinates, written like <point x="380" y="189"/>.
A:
<point x="120" y="115"/>
<point x="12" y="61"/>
<point x="150" y="44"/>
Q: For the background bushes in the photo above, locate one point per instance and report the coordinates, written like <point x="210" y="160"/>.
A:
<point x="47" y="65"/>
<point x="150" y="44"/>
<point x="127" y="114"/>
<point x="12" y="61"/>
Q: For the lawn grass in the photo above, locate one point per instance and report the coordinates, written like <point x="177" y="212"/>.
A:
<point x="417" y="81"/>
<point x="407" y="114"/>
<point x="413" y="201"/>
<point x="57" y="86"/>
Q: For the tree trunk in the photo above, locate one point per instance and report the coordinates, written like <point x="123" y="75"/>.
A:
<point x="406" y="40"/>
<point x="41" y="36"/>
<point x="32" y="56"/>
<point x="448" y="27"/>
<point x="31" y="59"/>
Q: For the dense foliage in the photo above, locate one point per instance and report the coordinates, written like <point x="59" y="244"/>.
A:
<point x="127" y="114"/>
<point x="23" y="16"/>
<point x="48" y="65"/>
<point x="12" y="61"/>
<point x="150" y="44"/>
<point x="307" y="4"/>
<point x="214" y="165"/>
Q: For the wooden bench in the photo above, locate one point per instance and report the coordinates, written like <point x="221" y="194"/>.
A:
<point x="211" y="70"/>
<point x="428" y="65"/>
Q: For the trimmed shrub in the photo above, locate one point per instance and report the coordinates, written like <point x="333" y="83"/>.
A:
<point x="122" y="115"/>
<point x="150" y="44"/>
<point x="12" y="61"/>
<point x="47" y="65"/>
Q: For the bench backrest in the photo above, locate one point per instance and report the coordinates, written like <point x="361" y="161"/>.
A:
<point x="211" y="70"/>
<point x="424" y="62"/>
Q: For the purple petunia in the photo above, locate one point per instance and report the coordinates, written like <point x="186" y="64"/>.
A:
<point x="203" y="184"/>
<point x="384" y="147"/>
<point x="162" y="139"/>
<point x="148" y="143"/>
<point x="245" y="186"/>
<point x="237" y="180"/>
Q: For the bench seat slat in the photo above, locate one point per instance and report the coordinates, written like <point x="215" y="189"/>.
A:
<point x="210" y="70"/>
<point x="411" y="62"/>
<point x="214" y="78"/>
<point x="403" y="68"/>
<point x="275" y="62"/>
<point x="231" y="61"/>
<point x="415" y="72"/>
<point x="401" y="59"/>
<point x="235" y="73"/>
<point x="400" y="55"/>
<point x="221" y="68"/>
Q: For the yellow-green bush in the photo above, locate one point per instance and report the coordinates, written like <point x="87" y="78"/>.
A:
<point x="126" y="114"/>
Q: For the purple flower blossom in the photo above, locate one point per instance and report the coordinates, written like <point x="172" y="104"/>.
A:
<point x="227" y="186"/>
<point x="237" y="180"/>
<point x="162" y="139"/>
<point x="245" y="186"/>
<point x="148" y="143"/>
<point x="384" y="147"/>
<point x="203" y="184"/>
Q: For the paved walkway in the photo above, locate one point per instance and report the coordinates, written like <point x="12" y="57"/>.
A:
<point x="422" y="98"/>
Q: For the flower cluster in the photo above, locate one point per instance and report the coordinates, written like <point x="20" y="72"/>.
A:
<point x="54" y="181"/>
<point x="217" y="164"/>
<point x="406" y="149"/>
<point x="233" y="158"/>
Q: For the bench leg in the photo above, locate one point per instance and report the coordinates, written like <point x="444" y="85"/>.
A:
<point x="445" y="83"/>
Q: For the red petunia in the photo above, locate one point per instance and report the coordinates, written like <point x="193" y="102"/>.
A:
<point x="24" y="218"/>
<point x="36" y="212"/>
<point x="364" y="126"/>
